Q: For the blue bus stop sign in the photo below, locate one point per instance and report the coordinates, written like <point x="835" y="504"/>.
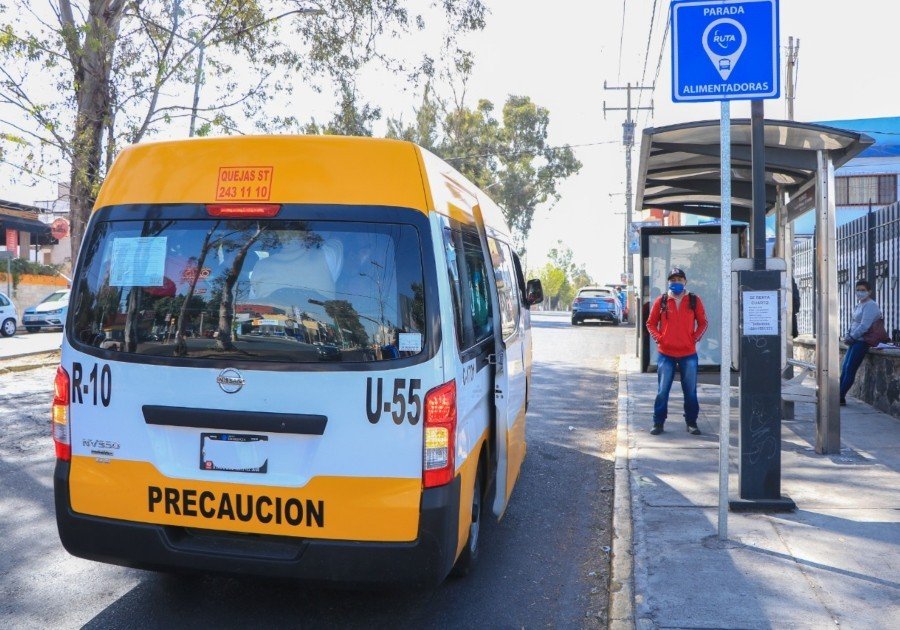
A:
<point x="724" y="50"/>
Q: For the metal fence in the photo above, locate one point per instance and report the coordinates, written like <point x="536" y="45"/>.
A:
<point x="868" y="248"/>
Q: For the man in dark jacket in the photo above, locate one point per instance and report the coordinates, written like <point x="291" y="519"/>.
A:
<point x="677" y="322"/>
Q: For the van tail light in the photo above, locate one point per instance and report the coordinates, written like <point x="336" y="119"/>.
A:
<point x="440" y="435"/>
<point x="59" y="415"/>
<point x="243" y="210"/>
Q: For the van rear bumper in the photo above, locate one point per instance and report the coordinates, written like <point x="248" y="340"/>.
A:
<point x="426" y="561"/>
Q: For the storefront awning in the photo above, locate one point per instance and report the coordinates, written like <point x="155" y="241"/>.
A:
<point x="17" y="216"/>
<point x="23" y="225"/>
<point x="679" y="169"/>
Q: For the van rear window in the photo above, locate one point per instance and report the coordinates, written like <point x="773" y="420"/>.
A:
<point x="263" y="290"/>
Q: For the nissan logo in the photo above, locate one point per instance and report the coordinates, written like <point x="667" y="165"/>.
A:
<point x="230" y="381"/>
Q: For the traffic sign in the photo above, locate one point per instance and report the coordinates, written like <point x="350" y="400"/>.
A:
<point x="724" y="50"/>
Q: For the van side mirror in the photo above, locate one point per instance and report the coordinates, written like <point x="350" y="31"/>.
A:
<point x="534" y="292"/>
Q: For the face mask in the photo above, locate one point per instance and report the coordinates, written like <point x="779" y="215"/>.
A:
<point x="676" y="287"/>
<point x="862" y="295"/>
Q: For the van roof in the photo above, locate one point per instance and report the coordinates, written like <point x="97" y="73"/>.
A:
<point x="337" y="170"/>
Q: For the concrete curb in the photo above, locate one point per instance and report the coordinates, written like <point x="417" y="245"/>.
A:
<point x="621" y="583"/>
<point x="24" y="355"/>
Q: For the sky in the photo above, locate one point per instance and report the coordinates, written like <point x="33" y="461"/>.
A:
<point x="561" y="53"/>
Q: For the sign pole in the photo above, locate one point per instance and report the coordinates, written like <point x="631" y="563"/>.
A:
<point x="725" y="361"/>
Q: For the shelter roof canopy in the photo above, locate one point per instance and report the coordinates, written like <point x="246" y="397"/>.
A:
<point x="679" y="168"/>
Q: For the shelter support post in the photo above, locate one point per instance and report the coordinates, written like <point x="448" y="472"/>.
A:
<point x="784" y="249"/>
<point x="828" y="414"/>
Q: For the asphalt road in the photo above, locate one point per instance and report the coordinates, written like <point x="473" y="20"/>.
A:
<point x="545" y="564"/>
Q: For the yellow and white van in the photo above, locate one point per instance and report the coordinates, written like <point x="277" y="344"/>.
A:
<point x="291" y="356"/>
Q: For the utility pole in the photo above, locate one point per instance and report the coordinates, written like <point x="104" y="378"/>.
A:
<point x="628" y="141"/>
<point x="791" y="69"/>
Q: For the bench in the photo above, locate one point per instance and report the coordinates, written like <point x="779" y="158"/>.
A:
<point x="793" y="390"/>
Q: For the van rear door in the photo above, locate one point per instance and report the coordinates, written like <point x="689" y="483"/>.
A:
<point x="258" y="375"/>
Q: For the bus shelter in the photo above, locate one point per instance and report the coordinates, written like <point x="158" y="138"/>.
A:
<point x="680" y="171"/>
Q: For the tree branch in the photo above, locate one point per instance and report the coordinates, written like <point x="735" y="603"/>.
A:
<point x="69" y="34"/>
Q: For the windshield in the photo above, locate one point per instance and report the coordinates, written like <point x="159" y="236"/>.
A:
<point x="263" y="290"/>
<point x="58" y="296"/>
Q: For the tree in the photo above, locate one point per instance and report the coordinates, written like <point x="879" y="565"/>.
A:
<point x="79" y="79"/>
<point x="561" y="257"/>
<point x="509" y="156"/>
<point x="552" y="280"/>
<point x="351" y="118"/>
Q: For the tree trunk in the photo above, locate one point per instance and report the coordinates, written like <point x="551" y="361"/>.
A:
<point x="225" y="340"/>
<point x="93" y="65"/>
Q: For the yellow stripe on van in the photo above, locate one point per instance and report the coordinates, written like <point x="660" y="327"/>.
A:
<point x="335" y="508"/>
<point x="268" y="169"/>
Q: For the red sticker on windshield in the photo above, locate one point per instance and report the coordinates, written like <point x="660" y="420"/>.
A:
<point x="244" y="183"/>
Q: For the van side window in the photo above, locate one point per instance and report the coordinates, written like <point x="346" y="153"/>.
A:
<point x="519" y="276"/>
<point x="3" y="301"/>
<point x="507" y="286"/>
<point x="468" y="284"/>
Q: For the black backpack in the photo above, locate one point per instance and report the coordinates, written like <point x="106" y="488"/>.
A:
<point x="664" y="303"/>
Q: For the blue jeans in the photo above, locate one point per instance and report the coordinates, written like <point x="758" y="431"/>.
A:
<point x="852" y="360"/>
<point x="665" y="374"/>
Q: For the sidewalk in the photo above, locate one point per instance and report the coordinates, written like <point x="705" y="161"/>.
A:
<point x="834" y="563"/>
<point x="24" y="344"/>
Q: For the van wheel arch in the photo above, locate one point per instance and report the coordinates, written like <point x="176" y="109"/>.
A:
<point x="469" y="555"/>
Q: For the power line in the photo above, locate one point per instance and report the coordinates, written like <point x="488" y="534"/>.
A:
<point x="647" y="52"/>
<point x="561" y="147"/>
<point x="621" y="41"/>
<point x="662" y="50"/>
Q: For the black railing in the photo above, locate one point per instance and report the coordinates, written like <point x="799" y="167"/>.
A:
<point x="868" y="248"/>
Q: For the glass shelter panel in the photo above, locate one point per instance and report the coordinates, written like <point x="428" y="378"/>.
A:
<point x="699" y="255"/>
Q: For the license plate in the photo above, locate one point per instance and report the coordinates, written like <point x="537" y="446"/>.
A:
<point x="30" y="318"/>
<point x="595" y="306"/>
<point x="234" y="452"/>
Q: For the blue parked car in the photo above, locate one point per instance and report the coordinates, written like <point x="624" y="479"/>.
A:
<point x="596" y="303"/>
<point x="48" y="313"/>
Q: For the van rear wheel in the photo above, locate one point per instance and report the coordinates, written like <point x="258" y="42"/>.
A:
<point x="469" y="556"/>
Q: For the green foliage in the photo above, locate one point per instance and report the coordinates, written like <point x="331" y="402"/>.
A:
<point x="82" y="78"/>
<point x="351" y="118"/>
<point x="561" y="277"/>
<point x="507" y="156"/>
<point x="552" y="279"/>
<point x="19" y="267"/>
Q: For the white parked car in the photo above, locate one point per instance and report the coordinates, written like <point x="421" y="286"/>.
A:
<point x="9" y="317"/>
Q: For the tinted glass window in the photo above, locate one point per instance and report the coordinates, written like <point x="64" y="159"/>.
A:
<point x="507" y="291"/>
<point x="3" y="301"/>
<point x="266" y="290"/>
<point x="594" y="293"/>
<point x="468" y="283"/>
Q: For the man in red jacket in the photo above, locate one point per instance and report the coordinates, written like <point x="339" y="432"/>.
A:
<point x="677" y="321"/>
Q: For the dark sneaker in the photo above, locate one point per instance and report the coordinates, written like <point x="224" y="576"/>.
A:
<point x="843" y="402"/>
<point x="657" y="429"/>
<point x="693" y="429"/>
